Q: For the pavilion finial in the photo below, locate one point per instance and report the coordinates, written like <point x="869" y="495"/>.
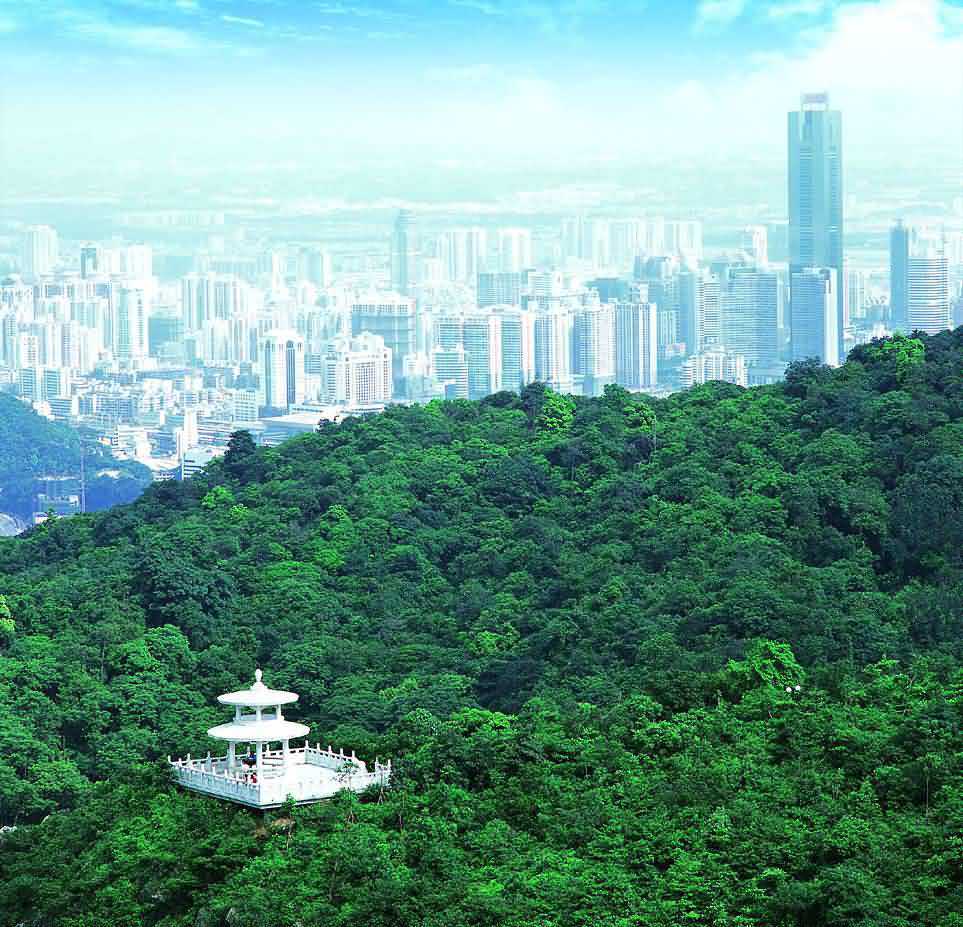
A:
<point x="257" y="677"/>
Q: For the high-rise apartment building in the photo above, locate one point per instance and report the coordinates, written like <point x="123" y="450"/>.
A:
<point x="498" y="288"/>
<point x="131" y="309"/>
<point x="593" y="346"/>
<point x="816" y="192"/>
<point x="713" y="365"/>
<point x="518" y="347"/>
<point x="813" y="332"/>
<point x="553" y="349"/>
<point x="637" y="344"/>
<point x="464" y="253"/>
<point x="483" y="351"/>
<point x="514" y="250"/>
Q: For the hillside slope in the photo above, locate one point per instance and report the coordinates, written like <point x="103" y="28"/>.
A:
<point x="32" y="446"/>
<point x="571" y="622"/>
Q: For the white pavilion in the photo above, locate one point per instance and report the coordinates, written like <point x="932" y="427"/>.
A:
<point x="272" y="770"/>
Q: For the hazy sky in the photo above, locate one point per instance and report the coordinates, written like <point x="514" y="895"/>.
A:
<point x="476" y="80"/>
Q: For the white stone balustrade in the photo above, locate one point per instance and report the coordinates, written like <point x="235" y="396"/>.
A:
<point x="273" y="776"/>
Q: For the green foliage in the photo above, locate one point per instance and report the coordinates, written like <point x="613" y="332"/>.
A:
<point x="32" y="446"/>
<point x="571" y="622"/>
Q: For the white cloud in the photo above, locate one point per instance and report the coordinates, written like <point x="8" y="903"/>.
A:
<point x="792" y="9"/>
<point x="715" y="14"/>
<point x="145" y="38"/>
<point x="892" y="66"/>
<point x="242" y="21"/>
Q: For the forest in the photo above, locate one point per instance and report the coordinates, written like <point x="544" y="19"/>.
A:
<point x="688" y="661"/>
<point x="32" y="446"/>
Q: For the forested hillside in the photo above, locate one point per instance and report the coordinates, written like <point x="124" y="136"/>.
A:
<point x="572" y="624"/>
<point x="32" y="446"/>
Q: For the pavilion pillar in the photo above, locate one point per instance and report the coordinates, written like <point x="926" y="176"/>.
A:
<point x="260" y="760"/>
<point x="286" y="752"/>
<point x="231" y="755"/>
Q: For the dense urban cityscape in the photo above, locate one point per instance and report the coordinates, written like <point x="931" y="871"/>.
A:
<point x="161" y="355"/>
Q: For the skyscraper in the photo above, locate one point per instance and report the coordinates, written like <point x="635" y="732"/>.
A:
<point x="928" y="292"/>
<point x="816" y="192"/>
<point x="518" y="347"/>
<point x="514" y="250"/>
<point x="483" y="350"/>
<point x="283" y="369"/>
<point x="404" y="253"/>
<point x="394" y="319"/>
<point x="553" y="349"/>
<point x="900" y="241"/>
<point x="919" y="280"/>
<point x="637" y="344"/>
<point x="41" y="251"/>
<point x="814" y="317"/>
<point x="593" y="346"/>
<point x="751" y="315"/>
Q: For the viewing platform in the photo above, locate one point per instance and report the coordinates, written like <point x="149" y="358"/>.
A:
<point x="267" y="777"/>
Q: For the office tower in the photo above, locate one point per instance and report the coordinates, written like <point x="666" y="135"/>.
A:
<point x="919" y="280"/>
<point x="751" y="309"/>
<point x="394" y="320"/>
<point x="518" y="347"/>
<point x="282" y="369"/>
<point x="448" y="330"/>
<point x="553" y="349"/>
<point x="405" y="253"/>
<point x="91" y="261"/>
<point x="497" y="288"/>
<point x="593" y="346"/>
<point x="41" y="252"/>
<point x="700" y="310"/>
<point x="813" y="331"/>
<point x="483" y="353"/>
<point x="451" y="370"/>
<point x="626" y="238"/>
<point x="131" y="309"/>
<point x="713" y="365"/>
<point x="314" y="265"/>
<point x="755" y="245"/>
<point x="548" y="288"/>
<point x="637" y="344"/>
<point x="357" y="371"/>
<point x="816" y="192"/>
<point x="514" y="250"/>
<point x="464" y="253"/>
<point x="928" y="291"/>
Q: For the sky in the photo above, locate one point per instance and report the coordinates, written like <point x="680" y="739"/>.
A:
<point x="208" y="82"/>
